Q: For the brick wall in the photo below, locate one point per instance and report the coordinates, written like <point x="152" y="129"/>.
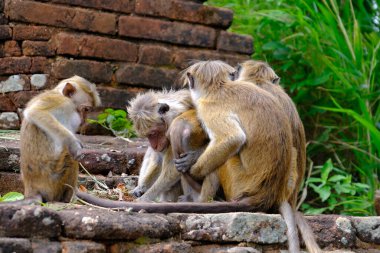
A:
<point x="124" y="46"/>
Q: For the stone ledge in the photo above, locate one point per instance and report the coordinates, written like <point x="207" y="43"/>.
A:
<point x="120" y="231"/>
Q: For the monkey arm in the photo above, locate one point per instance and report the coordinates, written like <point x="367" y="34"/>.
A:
<point x="226" y="138"/>
<point x="149" y="171"/>
<point x="48" y="123"/>
<point x="167" y="179"/>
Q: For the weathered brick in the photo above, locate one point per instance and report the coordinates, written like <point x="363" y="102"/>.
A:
<point x="117" y="98"/>
<point x="183" y="57"/>
<point x="186" y="11"/>
<point x="46" y="246"/>
<point x="39" y="81"/>
<point x="20" y="99"/>
<point x="11" y="48"/>
<point x="97" y="72"/>
<point x="60" y="16"/>
<point x="82" y="247"/>
<point x="15" y="245"/>
<point x="9" y="120"/>
<point x="235" y="42"/>
<point x="125" y="6"/>
<point x="94" y="46"/>
<point x="6" y="104"/>
<point x="146" y="76"/>
<point x="39" y="64"/>
<point x="174" y="32"/>
<point x="36" y="48"/>
<point x="5" y="32"/>
<point x="29" y="221"/>
<point x="167" y="247"/>
<point x="155" y="55"/>
<point x="15" y="65"/>
<point x="32" y="32"/>
<point x="14" y="83"/>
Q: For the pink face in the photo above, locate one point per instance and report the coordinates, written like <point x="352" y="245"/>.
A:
<point x="157" y="138"/>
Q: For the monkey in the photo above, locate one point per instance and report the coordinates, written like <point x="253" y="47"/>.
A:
<point x="153" y="113"/>
<point x="250" y="148"/>
<point x="187" y="136"/>
<point x="49" y="148"/>
<point x="261" y="74"/>
<point x="250" y="142"/>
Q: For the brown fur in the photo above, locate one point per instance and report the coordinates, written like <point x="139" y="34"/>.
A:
<point x="261" y="74"/>
<point x="48" y="145"/>
<point x="247" y="123"/>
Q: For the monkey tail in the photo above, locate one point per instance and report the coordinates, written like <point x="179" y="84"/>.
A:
<point x="292" y="234"/>
<point x="307" y="234"/>
<point x="183" y="207"/>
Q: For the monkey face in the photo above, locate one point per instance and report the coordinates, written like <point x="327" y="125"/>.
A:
<point x="157" y="137"/>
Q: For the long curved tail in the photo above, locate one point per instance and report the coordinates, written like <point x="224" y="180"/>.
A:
<point x="307" y="234"/>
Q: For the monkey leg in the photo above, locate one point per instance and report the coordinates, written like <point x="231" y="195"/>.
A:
<point x="166" y="180"/>
<point x="210" y="187"/>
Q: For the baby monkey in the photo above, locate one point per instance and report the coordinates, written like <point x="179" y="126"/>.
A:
<point x="49" y="148"/>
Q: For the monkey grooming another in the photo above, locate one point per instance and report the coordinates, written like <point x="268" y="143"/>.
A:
<point x="49" y="147"/>
<point x="254" y="160"/>
<point x="262" y="75"/>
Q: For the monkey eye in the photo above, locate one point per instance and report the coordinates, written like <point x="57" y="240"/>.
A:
<point x="163" y="108"/>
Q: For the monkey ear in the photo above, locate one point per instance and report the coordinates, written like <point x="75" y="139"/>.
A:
<point x="276" y="80"/>
<point x="191" y="80"/>
<point x="69" y="90"/>
<point x="235" y="75"/>
<point x="163" y="108"/>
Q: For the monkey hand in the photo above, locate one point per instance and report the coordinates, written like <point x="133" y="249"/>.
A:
<point x="186" y="160"/>
<point x="75" y="147"/>
<point x="138" y="191"/>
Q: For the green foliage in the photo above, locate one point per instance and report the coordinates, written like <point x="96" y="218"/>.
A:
<point x="326" y="53"/>
<point x="11" y="196"/>
<point x="115" y="121"/>
<point x="335" y="192"/>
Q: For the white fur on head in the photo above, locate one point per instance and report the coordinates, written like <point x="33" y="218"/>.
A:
<point x="83" y="84"/>
<point x="143" y="109"/>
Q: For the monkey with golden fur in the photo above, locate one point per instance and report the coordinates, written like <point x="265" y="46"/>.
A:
<point x="48" y="145"/>
<point x="169" y="122"/>
<point x="250" y="143"/>
<point x="261" y="74"/>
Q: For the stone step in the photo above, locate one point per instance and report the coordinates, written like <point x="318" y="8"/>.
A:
<point x="121" y="231"/>
<point x="101" y="154"/>
<point x="12" y="182"/>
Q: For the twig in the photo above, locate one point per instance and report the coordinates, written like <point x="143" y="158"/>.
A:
<point x="94" y="178"/>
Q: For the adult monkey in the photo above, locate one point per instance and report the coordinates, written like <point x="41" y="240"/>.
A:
<point x="261" y="74"/>
<point x="49" y="148"/>
<point x="250" y="143"/>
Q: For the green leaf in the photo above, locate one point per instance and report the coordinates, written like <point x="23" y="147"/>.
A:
<point x="120" y="113"/>
<point x="12" y="196"/>
<point x="336" y="178"/>
<point x="326" y="169"/>
<point x="118" y="124"/>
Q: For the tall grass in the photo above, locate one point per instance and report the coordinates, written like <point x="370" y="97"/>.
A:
<point x="327" y="54"/>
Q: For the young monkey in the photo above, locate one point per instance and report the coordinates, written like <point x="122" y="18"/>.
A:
<point x="169" y="122"/>
<point x="49" y="148"/>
